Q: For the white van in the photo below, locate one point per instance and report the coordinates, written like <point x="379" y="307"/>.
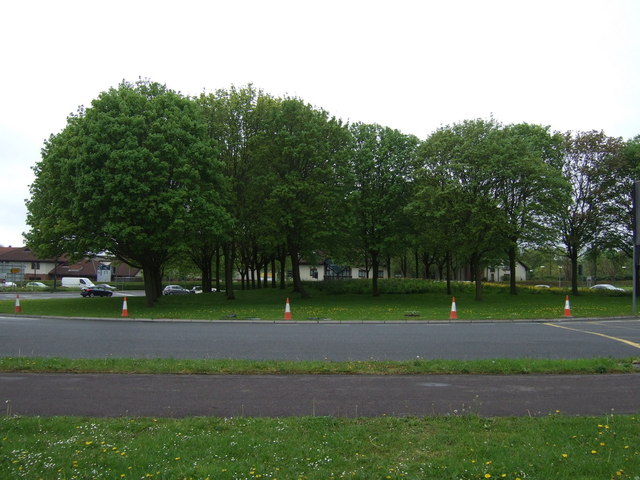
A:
<point x="76" y="282"/>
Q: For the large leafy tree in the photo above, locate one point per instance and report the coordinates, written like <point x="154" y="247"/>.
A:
<point x="529" y="186"/>
<point x="592" y="162"/>
<point x="303" y="153"/>
<point x="381" y="166"/>
<point x="455" y="193"/>
<point x="235" y="122"/>
<point x="131" y="175"/>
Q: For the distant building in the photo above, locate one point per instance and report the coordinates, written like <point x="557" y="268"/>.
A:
<point x="19" y="264"/>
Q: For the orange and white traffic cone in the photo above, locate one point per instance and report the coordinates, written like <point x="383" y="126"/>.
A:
<point x="125" y="310"/>
<point x="287" y="311"/>
<point x="567" y="307"/>
<point x="18" y="307"/>
<point x="454" y="312"/>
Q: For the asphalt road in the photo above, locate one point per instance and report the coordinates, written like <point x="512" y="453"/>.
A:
<point x="318" y="395"/>
<point x="83" y="338"/>
<point x="335" y="395"/>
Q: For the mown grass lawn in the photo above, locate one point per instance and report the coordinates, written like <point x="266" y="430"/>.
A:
<point x="269" y="304"/>
<point x="553" y="447"/>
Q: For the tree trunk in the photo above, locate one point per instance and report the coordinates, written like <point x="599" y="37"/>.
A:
<point x="513" y="289"/>
<point x="218" y="268"/>
<point x="448" y="269"/>
<point x="152" y="282"/>
<point x="388" y="260"/>
<point x="273" y="273"/>
<point x="477" y="273"/>
<point x="297" y="281"/>
<point x="283" y="269"/>
<point x="229" y="252"/>
<point x="574" y="271"/>
<point x="374" y="278"/>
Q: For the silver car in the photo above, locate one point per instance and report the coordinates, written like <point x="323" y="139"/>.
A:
<point x="175" y="290"/>
<point x="606" y="286"/>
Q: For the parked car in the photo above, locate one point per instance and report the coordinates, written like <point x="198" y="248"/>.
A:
<point x="175" y="290"/>
<point x="76" y="282"/>
<point x="35" y="285"/>
<point x="196" y="289"/>
<point x="606" y="286"/>
<point x="95" y="291"/>
<point x="8" y="285"/>
<point x="542" y="286"/>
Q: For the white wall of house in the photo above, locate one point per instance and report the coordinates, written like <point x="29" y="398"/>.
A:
<point x="316" y="273"/>
<point x="501" y="273"/>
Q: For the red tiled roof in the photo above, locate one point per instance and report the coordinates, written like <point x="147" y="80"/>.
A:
<point x="21" y="254"/>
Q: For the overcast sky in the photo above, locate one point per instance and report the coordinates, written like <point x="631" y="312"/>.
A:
<point x="410" y="65"/>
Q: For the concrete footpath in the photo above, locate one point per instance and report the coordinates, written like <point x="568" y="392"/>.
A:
<point x="115" y="395"/>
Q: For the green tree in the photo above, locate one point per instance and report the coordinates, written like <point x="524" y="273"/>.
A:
<point x="303" y="160"/>
<point x="234" y="122"/>
<point x="134" y="172"/>
<point x="455" y="193"/>
<point x="381" y="167"/>
<point x="530" y="187"/>
<point x="592" y="163"/>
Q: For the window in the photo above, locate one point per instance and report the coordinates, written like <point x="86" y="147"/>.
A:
<point x="35" y="265"/>
<point x="362" y="273"/>
<point x="314" y="272"/>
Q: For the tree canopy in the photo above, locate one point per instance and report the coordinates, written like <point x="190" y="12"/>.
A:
<point x="240" y="177"/>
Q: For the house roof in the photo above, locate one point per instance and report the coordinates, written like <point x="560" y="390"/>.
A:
<point x="21" y="254"/>
<point x="89" y="268"/>
<point x="83" y="268"/>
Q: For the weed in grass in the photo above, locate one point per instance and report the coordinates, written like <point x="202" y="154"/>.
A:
<point x="465" y="447"/>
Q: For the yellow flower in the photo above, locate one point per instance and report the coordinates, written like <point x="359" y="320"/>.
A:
<point x="593" y="452"/>
<point x="487" y="475"/>
<point x="565" y="455"/>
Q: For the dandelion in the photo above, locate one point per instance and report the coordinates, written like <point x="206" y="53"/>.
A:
<point x="487" y="475"/>
<point x="593" y="452"/>
<point x="565" y="455"/>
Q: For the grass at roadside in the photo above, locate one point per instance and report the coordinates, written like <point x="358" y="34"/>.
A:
<point x="248" y="367"/>
<point x="269" y="304"/>
<point x="468" y="447"/>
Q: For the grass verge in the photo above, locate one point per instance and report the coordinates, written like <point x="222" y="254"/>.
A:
<point x="248" y="367"/>
<point x="311" y="448"/>
<point x="269" y="304"/>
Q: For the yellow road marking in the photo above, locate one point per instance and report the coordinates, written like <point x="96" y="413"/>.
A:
<point x="628" y="342"/>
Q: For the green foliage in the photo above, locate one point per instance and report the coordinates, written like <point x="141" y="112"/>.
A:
<point x="134" y="175"/>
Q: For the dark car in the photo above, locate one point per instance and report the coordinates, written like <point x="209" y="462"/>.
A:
<point x="95" y="291"/>
<point x="175" y="290"/>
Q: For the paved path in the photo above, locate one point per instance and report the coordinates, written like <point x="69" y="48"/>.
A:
<point x="117" y="395"/>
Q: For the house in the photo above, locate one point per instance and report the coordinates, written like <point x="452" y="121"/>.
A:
<point x="328" y="270"/>
<point x="502" y="273"/>
<point x="19" y="264"/>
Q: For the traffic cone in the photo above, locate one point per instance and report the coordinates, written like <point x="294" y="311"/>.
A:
<point x="454" y="312"/>
<point x="567" y="307"/>
<point x="287" y="311"/>
<point x="18" y="307"/>
<point x="125" y="310"/>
